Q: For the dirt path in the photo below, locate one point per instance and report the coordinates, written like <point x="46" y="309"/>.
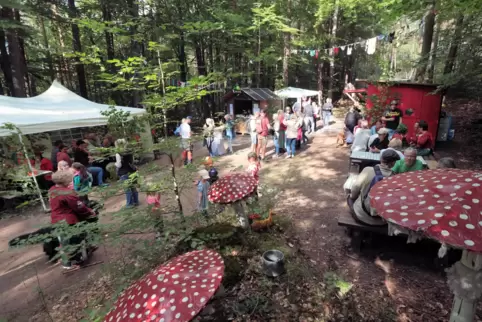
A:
<point x="391" y="281"/>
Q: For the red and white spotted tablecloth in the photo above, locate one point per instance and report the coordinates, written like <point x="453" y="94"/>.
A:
<point x="176" y="291"/>
<point x="444" y="204"/>
<point x="232" y="188"/>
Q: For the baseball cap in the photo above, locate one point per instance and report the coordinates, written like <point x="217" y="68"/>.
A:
<point x="189" y="117"/>
<point x="204" y="174"/>
<point x="383" y="130"/>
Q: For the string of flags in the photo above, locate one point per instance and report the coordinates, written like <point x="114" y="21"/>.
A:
<point x="369" y="46"/>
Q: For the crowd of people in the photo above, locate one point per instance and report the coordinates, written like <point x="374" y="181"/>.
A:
<point x="388" y="132"/>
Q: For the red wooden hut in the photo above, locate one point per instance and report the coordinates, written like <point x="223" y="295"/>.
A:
<point x="417" y="101"/>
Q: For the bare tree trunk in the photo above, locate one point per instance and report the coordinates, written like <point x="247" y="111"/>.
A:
<point x="454" y="45"/>
<point x="332" y="52"/>
<point x="5" y="63"/>
<point x="433" y="56"/>
<point x="287" y="48"/>
<point x="16" y="59"/>
<point x="201" y="65"/>
<point x="77" y="46"/>
<point x="47" y="48"/>
<point x="426" y="43"/>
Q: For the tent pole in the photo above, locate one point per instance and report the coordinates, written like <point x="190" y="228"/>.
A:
<point x="32" y="172"/>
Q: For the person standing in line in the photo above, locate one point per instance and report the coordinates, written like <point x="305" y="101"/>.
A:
<point x="327" y="110"/>
<point x="263" y="131"/>
<point x="292" y="123"/>
<point x="308" y="117"/>
<point x="229" y="131"/>
<point x="253" y="120"/>
<point x="125" y="169"/>
<point x="276" y="129"/>
<point x="185" y="133"/>
<point x="281" y="132"/>
<point x="208" y="134"/>
<point x="392" y="118"/>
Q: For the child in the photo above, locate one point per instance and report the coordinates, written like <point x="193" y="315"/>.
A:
<point x="153" y="199"/>
<point x="254" y="166"/>
<point x="82" y="181"/>
<point x="203" y="186"/>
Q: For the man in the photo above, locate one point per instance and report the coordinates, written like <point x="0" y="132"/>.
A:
<point x="326" y="111"/>
<point x="185" y="133"/>
<point x="392" y="118"/>
<point x="263" y="131"/>
<point x="381" y="142"/>
<point x="410" y="163"/>
<point x="81" y="155"/>
<point x="252" y="131"/>
<point x="309" y="118"/>
<point x="351" y="119"/>
<point x="55" y="150"/>
<point x="424" y="140"/>
<point x="358" y="201"/>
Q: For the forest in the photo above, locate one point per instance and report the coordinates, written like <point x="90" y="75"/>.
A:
<point x="129" y="52"/>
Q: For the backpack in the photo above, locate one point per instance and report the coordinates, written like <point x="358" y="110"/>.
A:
<point x="378" y="177"/>
<point x="177" y="132"/>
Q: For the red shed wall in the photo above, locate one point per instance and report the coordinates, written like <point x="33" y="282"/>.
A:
<point x="425" y="106"/>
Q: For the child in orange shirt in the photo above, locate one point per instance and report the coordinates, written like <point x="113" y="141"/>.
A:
<point x="153" y="199"/>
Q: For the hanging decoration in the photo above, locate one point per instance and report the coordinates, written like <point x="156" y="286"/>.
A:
<point x="369" y="46"/>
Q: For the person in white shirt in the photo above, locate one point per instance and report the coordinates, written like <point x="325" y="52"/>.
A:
<point x="362" y="136"/>
<point x="186" y="146"/>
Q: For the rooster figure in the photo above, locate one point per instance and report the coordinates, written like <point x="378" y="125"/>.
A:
<point x="257" y="223"/>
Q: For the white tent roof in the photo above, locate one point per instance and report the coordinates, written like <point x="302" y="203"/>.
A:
<point x="293" y="92"/>
<point x="56" y="109"/>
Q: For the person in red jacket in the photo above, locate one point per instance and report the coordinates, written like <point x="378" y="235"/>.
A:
<point x="424" y="141"/>
<point x="66" y="206"/>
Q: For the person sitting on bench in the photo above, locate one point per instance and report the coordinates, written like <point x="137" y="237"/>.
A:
<point x="358" y="200"/>
<point x="424" y="140"/>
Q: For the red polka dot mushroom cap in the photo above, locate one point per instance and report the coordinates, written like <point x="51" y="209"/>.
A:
<point x="232" y="188"/>
<point x="176" y="291"/>
<point x="444" y="204"/>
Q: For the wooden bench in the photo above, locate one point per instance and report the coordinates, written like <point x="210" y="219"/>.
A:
<point x="358" y="230"/>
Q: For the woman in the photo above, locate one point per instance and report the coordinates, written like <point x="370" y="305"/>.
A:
<point x="292" y="123"/>
<point x="327" y="110"/>
<point x="424" y="141"/>
<point x="125" y="169"/>
<point x="218" y="142"/>
<point x="276" y="129"/>
<point x="69" y="208"/>
<point x="282" y="132"/>
<point x="208" y="134"/>
<point x="229" y="131"/>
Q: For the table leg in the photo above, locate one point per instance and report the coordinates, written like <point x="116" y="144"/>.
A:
<point x="465" y="281"/>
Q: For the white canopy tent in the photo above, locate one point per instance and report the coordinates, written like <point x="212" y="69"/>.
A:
<point x="56" y="109"/>
<point x="293" y="92"/>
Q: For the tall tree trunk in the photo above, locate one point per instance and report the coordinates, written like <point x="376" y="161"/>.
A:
<point x="16" y="58"/>
<point x="5" y="63"/>
<point x="201" y="66"/>
<point x="332" y="52"/>
<point x="426" y="43"/>
<point x="454" y="45"/>
<point x="77" y="46"/>
<point x="182" y="56"/>
<point x="47" y="48"/>
<point x="23" y="55"/>
<point x="211" y="54"/>
<point x="433" y="55"/>
<point x="286" y="48"/>
<point x="258" y="68"/>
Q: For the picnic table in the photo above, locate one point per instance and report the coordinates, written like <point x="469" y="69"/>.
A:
<point x="369" y="158"/>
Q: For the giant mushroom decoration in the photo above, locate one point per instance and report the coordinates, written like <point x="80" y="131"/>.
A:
<point x="233" y="189"/>
<point x="176" y="291"/>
